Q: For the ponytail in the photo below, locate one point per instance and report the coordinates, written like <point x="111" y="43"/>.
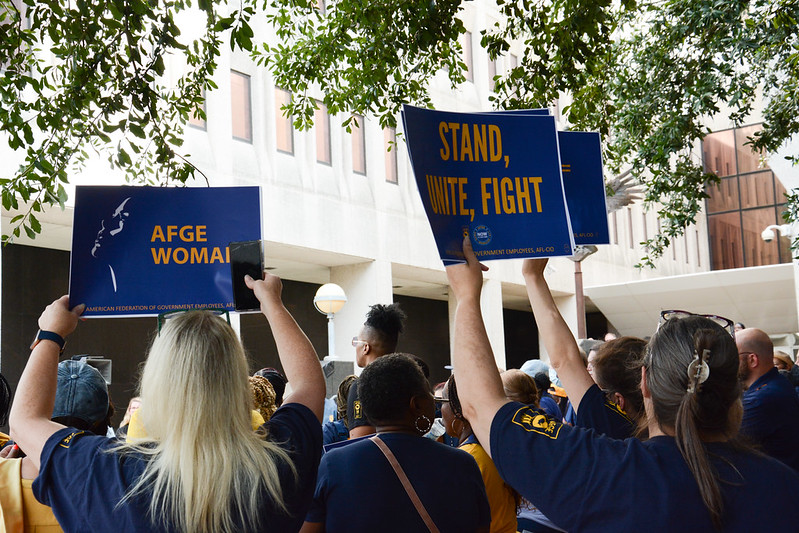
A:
<point x="692" y="375"/>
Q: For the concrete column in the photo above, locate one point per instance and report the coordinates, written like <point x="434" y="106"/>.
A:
<point x="491" y="308"/>
<point x="365" y="284"/>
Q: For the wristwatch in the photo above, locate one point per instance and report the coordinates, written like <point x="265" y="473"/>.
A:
<point x="43" y="335"/>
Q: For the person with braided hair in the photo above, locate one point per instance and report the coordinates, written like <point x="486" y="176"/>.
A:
<point x="692" y="474"/>
<point x="378" y="337"/>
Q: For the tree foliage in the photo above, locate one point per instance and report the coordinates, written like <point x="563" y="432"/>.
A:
<point x="89" y="77"/>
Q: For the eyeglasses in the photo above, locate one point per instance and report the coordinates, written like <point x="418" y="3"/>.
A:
<point x="216" y="311"/>
<point x="357" y="342"/>
<point x="440" y="402"/>
<point x="725" y="323"/>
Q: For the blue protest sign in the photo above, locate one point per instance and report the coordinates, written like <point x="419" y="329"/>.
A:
<point x="139" y="251"/>
<point x="495" y="176"/>
<point x="584" y="183"/>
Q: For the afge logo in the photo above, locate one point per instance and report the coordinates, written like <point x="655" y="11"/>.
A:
<point x="482" y="235"/>
<point x="68" y="439"/>
<point x="532" y="420"/>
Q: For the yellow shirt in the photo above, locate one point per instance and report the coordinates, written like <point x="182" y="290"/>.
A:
<point x="3" y="439"/>
<point x="20" y="511"/>
<point x="136" y="429"/>
<point x="500" y="496"/>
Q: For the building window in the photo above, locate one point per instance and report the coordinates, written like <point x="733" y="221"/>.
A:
<point x="698" y="253"/>
<point x="615" y="228"/>
<point x="643" y="221"/>
<point x="322" y="127"/>
<point x="358" y="135"/>
<point x="284" y="130"/>
<point x="390" y="146"/>
<point x="748" y="199"/>
<point x="467" y="55"/>
<point x="514" y="61"/>
<point x="240" y="106"/>
<point x="196" y="120"/>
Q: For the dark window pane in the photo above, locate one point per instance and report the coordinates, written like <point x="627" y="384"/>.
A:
<point x="724" y="196"/>
<point x="757" y="189"/>
<point x="725" y="242"/>
<point x="757" y="251"/>
<point x="719" y="152"/>
<point x="748" y="160"/>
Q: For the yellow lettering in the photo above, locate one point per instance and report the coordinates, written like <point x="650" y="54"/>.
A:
<point x="462" y="195"/>
<point x="184" y="253"/>
<point x="198" y="255"/>
<point x="496" y="195"/>
<point x="216" y="254"/>
<point x="523" y="196"/>
<point x="202" y="231"/>
<point x="171" y="231"/>
<point x="536" y="181"/>
<point x="186" y="234"/>
<point x="466" y="144"/>
<point x="484" y="182"/>
<point x="454" y="126"/>
<point x="442" y="129"/>
<point x="161" y="255"/>
<point x="158" y="234"/>
<point x="430" y="191"/>
<point x="495" y="142"/>
<point x="508" y="201"/>
<point x="480" y="144"/>
<point x="453" y="182"/>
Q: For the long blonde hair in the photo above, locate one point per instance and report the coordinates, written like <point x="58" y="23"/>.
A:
<point x="207" y="469"/>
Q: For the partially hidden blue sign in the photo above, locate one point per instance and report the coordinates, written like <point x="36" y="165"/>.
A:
<point x="142" y="251"/>
<point x="494" y="176"/>
<point x="584" y="183"/>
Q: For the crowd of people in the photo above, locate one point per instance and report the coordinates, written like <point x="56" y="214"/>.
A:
<point x="679" y="432"/>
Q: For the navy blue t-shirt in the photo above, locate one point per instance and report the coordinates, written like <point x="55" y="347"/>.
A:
<point x="771" y="417"/>
<point x="586" y="482"/>
<point x="358" y="491"/>
<point x="599" y="413"/>
<point x="83" y="483"/>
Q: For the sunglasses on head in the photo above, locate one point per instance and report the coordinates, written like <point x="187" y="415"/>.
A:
<point x="673" y="314"/>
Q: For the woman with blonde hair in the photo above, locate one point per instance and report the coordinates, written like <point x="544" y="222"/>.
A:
<point x="201" y="467"/>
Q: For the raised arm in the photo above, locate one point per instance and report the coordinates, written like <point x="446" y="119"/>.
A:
<point x="564" y="356"/>
<point x="29" y="421"/>
<point x="479" y="385"/>
<point x="297" y="354"/>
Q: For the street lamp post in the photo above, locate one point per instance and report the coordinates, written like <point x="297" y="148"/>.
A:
<point x="580" y="253"/>
<point x="329" y="300"/>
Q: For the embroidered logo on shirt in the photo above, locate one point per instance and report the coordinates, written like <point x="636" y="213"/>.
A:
<point x="356" y="407"/>
<point x="68" y="439"/>
<point x="534" y="421"/>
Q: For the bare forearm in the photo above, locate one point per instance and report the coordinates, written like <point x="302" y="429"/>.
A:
<point x="299" y="359"/>
<point x="564" y="355"/>
<point x="479" y="384"/>
<point x="29" y="420"/>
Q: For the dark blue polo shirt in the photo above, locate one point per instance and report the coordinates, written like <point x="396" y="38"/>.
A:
<point x="587" y="482"/>
<point x="771" y="417"/>
<point x="599" y="413"/>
